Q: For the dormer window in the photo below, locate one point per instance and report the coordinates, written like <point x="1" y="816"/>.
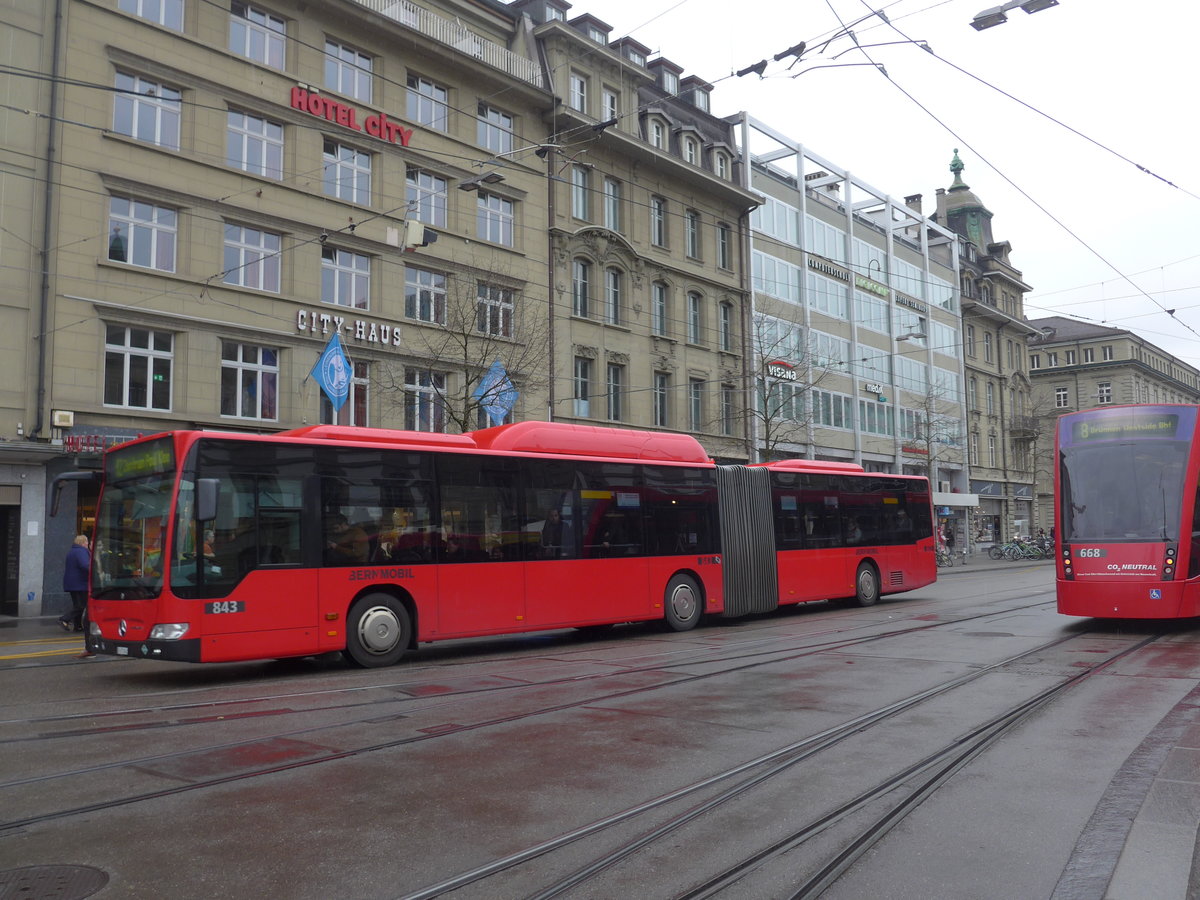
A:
<point x="597" y="35"/>
<point x="636" y="58"/>
<point x="658" y="134"/>
<point x="670" y="82"/>
<point x="700" y="100"/>
<point x="691" y="151"/>
<point x="554" y="15"/>
<point x="721" y="165"/>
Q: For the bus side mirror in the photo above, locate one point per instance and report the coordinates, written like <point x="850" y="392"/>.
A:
<point x="60" y="482"/>
<point x="207" y="492"/>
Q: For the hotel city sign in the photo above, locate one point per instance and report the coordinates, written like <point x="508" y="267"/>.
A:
<point x="376" y="125"/>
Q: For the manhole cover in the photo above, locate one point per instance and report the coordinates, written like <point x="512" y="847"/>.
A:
<point x="51" y="882"/>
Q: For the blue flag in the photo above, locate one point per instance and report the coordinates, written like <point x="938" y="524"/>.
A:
<point x="496" y="393"/>
<point x="333" y="372"/>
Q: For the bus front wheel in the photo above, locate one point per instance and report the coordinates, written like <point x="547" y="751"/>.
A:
<point x="682" y="603"/>
<point x="378" y="631"/>
<point x="866" y="585"/>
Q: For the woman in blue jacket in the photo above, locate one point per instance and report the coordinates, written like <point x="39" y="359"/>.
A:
<point x="75" y="583"/>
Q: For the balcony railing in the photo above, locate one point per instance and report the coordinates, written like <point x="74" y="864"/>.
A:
<point x="453" y="34"/>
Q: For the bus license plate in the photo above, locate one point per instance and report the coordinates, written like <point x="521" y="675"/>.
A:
<point x="122" y="651"/>
<point x="218" y="607"/>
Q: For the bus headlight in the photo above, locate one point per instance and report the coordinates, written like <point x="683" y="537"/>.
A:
<point x="94" y="629"/>
<point x="171" y="632"/>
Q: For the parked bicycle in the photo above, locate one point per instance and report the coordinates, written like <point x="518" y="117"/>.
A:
<point x="945" y="559"/>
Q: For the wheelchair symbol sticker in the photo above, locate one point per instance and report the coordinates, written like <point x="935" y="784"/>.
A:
<point x="1155" y="594"/>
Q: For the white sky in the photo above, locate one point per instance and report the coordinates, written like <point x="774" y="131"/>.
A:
<point x="1122" y="73"/>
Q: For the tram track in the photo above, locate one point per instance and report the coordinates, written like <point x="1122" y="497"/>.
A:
<point x="759" y="772"/>
<point x="733" y="663"/>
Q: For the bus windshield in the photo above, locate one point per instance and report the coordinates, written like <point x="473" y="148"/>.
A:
<point x="1122" y="490"/>
<point x="131" y="520"/>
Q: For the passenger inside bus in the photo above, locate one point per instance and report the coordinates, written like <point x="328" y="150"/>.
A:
<point x="345" y="544"/>
<point x="551" y="541"/>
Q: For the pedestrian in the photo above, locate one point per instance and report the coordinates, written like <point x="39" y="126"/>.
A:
<point x="949" y="536"/>
<point x="75" y="583"/>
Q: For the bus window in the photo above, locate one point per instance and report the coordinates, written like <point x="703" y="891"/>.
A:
<point x="682" y="504"/>
<point x="479" y="519"/>
<point x="610" y="500"/>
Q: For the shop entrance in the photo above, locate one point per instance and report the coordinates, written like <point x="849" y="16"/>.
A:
<point x="10" y="557"/>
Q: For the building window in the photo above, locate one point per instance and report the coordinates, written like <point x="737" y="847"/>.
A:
<point x="426" y="194"/>
<point x="1089" y="355"/>
<point x="613" y="391"/>
<point x="142" y="234"/>
<point x="427" y="103"/>
<point x="726" y="326"/>
<point x="147" y="111"/>
<point x="1035" y="361"/>
<point x="612" y="296"/>
<point x="970" y="341"/>
<point x="612" y="109"/>
<point x="137" y="368"/>
<point x="252" y="258"/>
<point x="494" y="308"/>
<point x="494" y="129"/>
<point x="696" y="404"/>
<point x="347" y="173"/>
<point x="1070" y="357"/>
<point x="973" y="449"/>
<point x="728" y="404"/>
<point x="348" y="71"/>
<point x="425" y="295"/>
<point x="354" y="410"/>
<point x="580" y="192"/>
<point x="694" y="323"/>
<point x="691" y="151"/>
<point x="583" y="386"/>
<point x="254" y="144"/>
<point x="249" y="381"/>
<point x="658" y="221"/>
<point x="990" y="393"/>
<point x="168" y="13"/>
<point x="692" y="233"/>
<point x="425" y="403"/>
<point x="662" y="393"/>
<point x="581" y="287"/>
<point x="721" y="166"/>
<point x="973" y="394"/>
<point x="578" y="86"/>
<point x="987" y="346"/>
<point x="1106" y="353"/>
<point x="658" y="309"/>
<point x="992" y="451"/>
<point x="345" y="278"/>
<point x="612" y="204"/>
<point x="1104" y="392"/>
<point x="1051" y="359"/>
<point x="494" y="221"/>
<point x="257" y="35"/>
<point x="724" y="246"/>
<point x="670" y="82"/>
<point x="1061" y="398"/>
<point x="658" y="134"/>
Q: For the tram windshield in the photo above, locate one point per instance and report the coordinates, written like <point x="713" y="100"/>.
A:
<point x="1122" y="491"/>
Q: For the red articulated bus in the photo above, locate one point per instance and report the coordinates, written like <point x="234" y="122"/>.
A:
<point x="219" y="547"/>
<point x="1125" y="499"/>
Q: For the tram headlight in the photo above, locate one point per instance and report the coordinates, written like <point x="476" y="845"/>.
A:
<point x="170" y="632"/>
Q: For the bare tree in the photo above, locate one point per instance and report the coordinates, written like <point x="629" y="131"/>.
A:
<point x="784" y="370"/>
<point x="455" y="332"/>
<point x="939" y="427"/>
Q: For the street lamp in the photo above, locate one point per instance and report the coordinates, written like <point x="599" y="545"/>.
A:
<point x="996" y="15"/>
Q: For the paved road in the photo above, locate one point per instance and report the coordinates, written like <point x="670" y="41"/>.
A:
<point x="306" y="778"/>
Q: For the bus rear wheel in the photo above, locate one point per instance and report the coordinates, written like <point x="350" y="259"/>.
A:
<point x="866" y="585"/>
<point x="682" y="603"/>
<point x="378" y="631"/>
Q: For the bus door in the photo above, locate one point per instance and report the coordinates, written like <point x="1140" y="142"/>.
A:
<point x="481" y="576"/>
<point x="245" y="567"/>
